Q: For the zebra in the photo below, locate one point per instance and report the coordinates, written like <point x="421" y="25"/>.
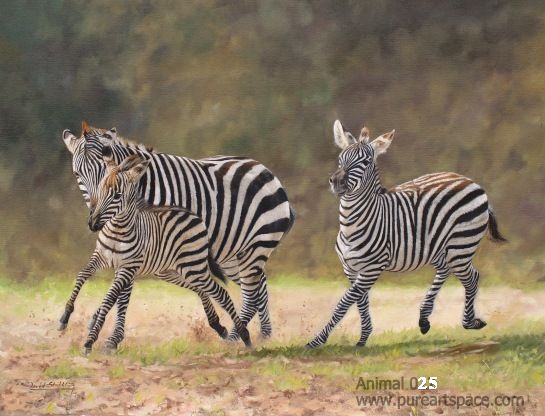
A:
<point x="244" y="206"/>
<point x="436" y="219"/>
<point x="135" y="238"/>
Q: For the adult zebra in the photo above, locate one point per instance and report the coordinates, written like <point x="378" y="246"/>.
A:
<point x="244" y="206"/>
<point x="437" y="219"/>
<point x="136" y="239"/>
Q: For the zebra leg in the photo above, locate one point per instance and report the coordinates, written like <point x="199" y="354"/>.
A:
<point x="123" y="279"/>
<point x="212" y="316"/>
<point x="119" y="330"/>
<point x="363" y="309"/>
<point x="263" y="307"/>
<point x="250" y="297"/>
<point x="426" y="307"/>
<point x="88" y="271"/>
<point x="469" y="276"/>
<point x="351" y="296"/>
<point x="366" y="324"/>
<point x="220" y="295"/>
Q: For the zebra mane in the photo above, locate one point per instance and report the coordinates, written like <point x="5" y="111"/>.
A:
<point x="119" y="140"/>
<point x="124" y="166"/>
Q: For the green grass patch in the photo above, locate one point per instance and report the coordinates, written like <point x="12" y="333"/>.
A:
<point x="282" y="374"/>
<point x="148" y="354"/>
<point x="117" y="371"/>
<point x="65" y="369"/>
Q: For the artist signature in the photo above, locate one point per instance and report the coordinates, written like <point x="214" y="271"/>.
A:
<point x="48" y="385"/>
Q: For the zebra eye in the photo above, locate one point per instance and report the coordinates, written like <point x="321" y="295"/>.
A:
<point x="117" y="195"/>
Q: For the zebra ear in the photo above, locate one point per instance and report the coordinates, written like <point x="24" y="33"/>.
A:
<point x="343" y="139"/>
<point x="110" y="134"/>
<point x="70" y="140"/>
<point x="138" y="170"/>
<point x="85" y="128"/>
<point x="382" y="143"/>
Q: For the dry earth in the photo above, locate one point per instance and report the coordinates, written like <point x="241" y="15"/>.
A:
<point x="214" y="382"/>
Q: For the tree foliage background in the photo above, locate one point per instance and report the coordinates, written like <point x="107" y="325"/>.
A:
<point x="462" y="83"/>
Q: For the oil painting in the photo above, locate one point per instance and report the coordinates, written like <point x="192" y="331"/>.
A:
<point x="272" y="207"/>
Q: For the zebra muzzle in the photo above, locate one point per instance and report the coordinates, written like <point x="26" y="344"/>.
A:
<point x="338" y="182"/>
<point x="94" y="224"/>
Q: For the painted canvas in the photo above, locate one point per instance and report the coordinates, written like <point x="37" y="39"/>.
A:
<point x="272" y="207"/>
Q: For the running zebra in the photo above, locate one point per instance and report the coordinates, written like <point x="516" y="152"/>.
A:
<point x="437" y="219"/>
<point x="135" y="239"/>
<point x="244" y="206"/>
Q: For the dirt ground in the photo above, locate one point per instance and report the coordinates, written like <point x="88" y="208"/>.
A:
<point x="212" y="382"/>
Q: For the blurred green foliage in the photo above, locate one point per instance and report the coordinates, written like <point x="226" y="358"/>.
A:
<point x="462" y="83"/>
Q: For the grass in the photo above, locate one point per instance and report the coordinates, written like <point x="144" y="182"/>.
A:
<point x="65" y="369"/>
<point x="282" y="375"/>
<point x="512" y="360"/>
<point x="117" y="371"/>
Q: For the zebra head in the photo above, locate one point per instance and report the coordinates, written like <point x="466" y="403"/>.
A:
<point x="87" y="162"/>
<point x="357" y="165"/>
<point x="118" y="191"/>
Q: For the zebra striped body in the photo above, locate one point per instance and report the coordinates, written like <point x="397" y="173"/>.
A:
<point x="436" y="219"/>
<point x="244" y="206"/>
<point x="137" y="239"/>
<point x="428" y="220"/>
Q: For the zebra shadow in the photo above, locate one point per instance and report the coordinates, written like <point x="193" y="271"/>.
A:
<point x="414" y="346"/>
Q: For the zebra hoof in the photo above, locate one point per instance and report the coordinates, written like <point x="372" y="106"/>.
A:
<point x="313" y="345"/>
<point x="475" y="324"/>
<point x="86" y="351"/>
<point x="424" y="325"/>
<point x="62" y="326"/>
<point x="361" y="344"/>
<point x="110" y="347"/>
<point x="224" y="334"/>
<point x="233" y="336"/>
<point x="265" y="335"/>
<point x="245" y="336"/>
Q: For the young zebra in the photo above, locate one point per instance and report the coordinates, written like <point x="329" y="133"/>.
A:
<point x="244" y="206"/>
<point x="437" y="219"/>
<point x="136" y="239"/>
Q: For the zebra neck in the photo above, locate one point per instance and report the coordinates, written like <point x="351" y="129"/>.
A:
<point x="361" y="208"/>
<point x="121" y="151"/>
<point x="125" y="219"/>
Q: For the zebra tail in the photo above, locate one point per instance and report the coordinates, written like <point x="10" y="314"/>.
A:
<point x="216" y="269"/>
<point x="292" y="220"/>
<point x="493" y="231"/>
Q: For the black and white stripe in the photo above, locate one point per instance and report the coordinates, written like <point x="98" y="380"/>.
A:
<point x="244" y="206"/>
<point x="137" y="239"/>
<point x="437" y="219"/>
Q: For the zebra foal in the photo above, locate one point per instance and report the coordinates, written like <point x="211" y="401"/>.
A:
<point x="436" y="219"/>
<point x="136" y="239"/>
